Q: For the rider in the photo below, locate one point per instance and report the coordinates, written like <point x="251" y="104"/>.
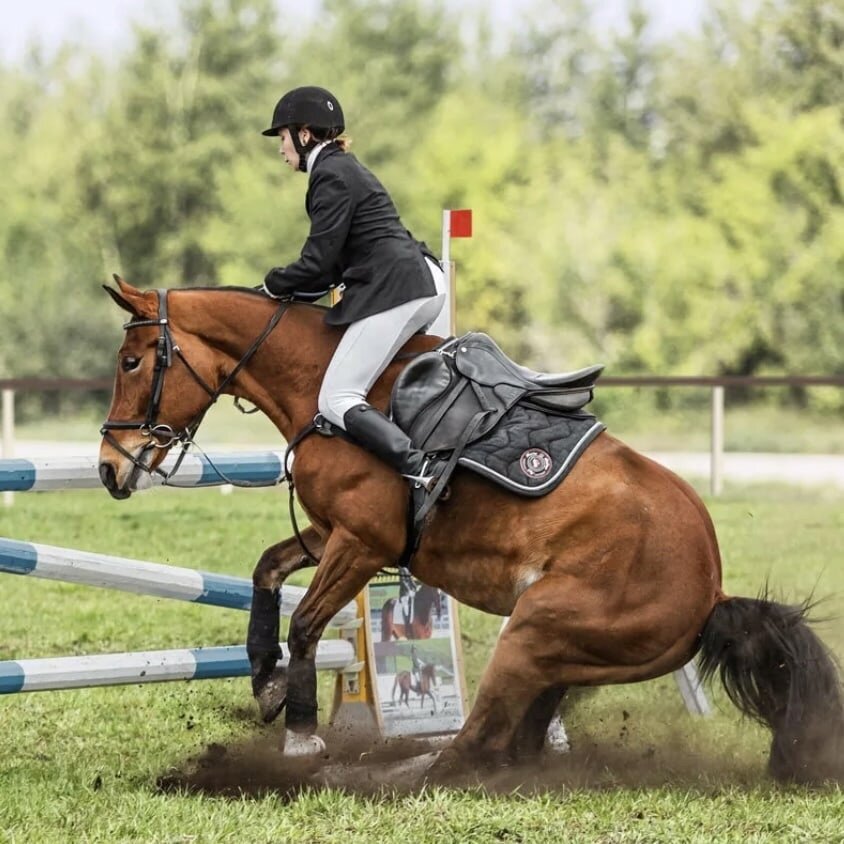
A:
<point x="416" y="667"/>
<point x="407" y="591"/>
<point x="393" y="285"/>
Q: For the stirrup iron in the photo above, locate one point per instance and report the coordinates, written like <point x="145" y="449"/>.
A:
<point x="423" y="480"/>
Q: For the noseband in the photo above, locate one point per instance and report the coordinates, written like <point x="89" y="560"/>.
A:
<point x="161" y="435"/>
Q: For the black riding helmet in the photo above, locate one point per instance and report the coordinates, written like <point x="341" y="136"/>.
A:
<point x="308" y="106"/>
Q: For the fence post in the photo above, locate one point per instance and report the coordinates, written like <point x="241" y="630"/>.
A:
<point x="8" y="435"/>
<point x="716" y="466"/>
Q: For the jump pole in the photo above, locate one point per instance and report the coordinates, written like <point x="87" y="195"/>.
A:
<point x="197" y="470"/>
<point x="127" y="575"/>
<point x="77" y="672"/>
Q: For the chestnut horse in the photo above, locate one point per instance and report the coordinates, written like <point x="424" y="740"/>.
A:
<point x="424" y="688"/>
<point x="425" y="601"/>
<point x="614" y="577"/>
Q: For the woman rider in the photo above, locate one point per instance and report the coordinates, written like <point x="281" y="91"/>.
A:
<point x="394" y="286"/>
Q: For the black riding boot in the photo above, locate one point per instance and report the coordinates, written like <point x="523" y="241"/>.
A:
<point x="376" y="433"/>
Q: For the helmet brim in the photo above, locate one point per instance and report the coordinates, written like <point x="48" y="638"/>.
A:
<point x="272" y="131"/>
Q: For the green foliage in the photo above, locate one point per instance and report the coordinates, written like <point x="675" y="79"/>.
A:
<point x="185" y="105"/>
<point x="665" y="207"/>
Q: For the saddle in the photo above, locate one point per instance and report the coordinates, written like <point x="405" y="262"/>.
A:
<point x="465" y="402"/>
<point x="459" y="392"/>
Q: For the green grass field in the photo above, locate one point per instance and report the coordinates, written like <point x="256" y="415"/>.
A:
<point x="84" y="765"/>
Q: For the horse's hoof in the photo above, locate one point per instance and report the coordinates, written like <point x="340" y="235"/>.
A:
<point x="271" y="695"/>
<point x="302" y="744"/>
<point x="447" y="766"/>
<point x="558" y="741"/>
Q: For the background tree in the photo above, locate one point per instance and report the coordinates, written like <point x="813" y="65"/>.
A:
<point x="188" y="104"/>
<point x="664" y="206"/>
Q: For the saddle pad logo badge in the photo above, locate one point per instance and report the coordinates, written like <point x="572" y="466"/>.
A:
<point x="535" y="463"/>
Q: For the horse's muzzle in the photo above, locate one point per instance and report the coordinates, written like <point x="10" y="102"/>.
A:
<point x="108" y="476"/>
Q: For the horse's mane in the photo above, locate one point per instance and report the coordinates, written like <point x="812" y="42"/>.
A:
<point x="250" y="291"/>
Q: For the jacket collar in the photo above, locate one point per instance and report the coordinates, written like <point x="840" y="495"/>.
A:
<point x="320" y="153"/>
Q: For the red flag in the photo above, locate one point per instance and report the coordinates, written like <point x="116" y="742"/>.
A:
<point x="461" y="223"/>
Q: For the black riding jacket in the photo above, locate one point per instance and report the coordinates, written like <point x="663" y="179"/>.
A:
<point x="356" y="239"/>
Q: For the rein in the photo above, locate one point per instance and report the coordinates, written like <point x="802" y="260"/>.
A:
<point x="309" y="429"/>
<point x="162" y="435"/>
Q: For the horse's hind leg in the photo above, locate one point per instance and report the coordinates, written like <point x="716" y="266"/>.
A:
<point x="269" y="684"/>
<point x="529" y="738"/>
<point x="535" y="657"/>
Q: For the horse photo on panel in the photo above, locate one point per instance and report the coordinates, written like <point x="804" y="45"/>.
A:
<point x="418" y="689"/>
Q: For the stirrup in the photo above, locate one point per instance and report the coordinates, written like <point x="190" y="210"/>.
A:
<point x="424" y="480"/>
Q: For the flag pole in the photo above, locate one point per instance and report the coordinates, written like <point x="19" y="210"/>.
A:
<point x="450" y="275"/>
<point x="446" y="250"/>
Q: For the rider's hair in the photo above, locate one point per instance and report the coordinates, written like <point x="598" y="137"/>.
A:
<point x="342" y="141"/>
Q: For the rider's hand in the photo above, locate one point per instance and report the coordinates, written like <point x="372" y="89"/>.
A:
<point x="273" y="283"/>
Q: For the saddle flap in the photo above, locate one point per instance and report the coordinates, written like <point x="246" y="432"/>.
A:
<point x="419" y="384"/>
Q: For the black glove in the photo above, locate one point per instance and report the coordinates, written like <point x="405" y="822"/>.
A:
<point x="274" y="283"/>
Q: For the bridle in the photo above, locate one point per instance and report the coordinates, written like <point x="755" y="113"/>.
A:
<point x="162" y="435"/>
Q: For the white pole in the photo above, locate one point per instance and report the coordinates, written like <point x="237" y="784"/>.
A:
<point x="716" y="472"/>
<point x="8" y="435"/>
<point x="451" y="280"/>
<point x="446" y="249"/>
<point x="443" y="325"/>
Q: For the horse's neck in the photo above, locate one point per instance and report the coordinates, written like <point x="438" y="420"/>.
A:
<point x="284" y="375"/>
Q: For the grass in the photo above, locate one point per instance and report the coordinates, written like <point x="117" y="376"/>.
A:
<point x="82" y="766"/>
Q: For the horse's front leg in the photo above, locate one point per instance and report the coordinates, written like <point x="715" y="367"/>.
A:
<point x="277" y="563"/>
<point x="346" y="567"/>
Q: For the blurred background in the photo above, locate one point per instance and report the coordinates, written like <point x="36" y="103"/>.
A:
<point x="656" y="185"/>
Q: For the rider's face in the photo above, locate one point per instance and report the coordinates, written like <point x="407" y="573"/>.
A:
<point x="287" y="150"/>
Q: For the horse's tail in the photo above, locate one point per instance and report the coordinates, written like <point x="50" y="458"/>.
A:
<point x="779" y="673"/>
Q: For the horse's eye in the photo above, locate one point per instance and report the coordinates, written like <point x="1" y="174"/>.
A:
<point x="127" y="364"/>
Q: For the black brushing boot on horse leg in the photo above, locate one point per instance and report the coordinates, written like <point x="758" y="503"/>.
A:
<point x="277" y="563"/>
<point x="269" y="683"/>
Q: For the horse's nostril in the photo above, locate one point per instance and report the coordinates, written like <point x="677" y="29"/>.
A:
<point x="108" y="476"/>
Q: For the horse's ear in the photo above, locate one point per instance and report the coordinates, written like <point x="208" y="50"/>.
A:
<point x="120" y="301"/>
<point x="123" y="284"/>
<point x="136" y="302"/>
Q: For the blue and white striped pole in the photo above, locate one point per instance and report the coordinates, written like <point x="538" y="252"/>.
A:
<point x="181" y="584"/>
<point x="197" y="470"/>
<point x="76" y="672"/>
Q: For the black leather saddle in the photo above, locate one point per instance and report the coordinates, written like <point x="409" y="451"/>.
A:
<point x="449" y="397"/>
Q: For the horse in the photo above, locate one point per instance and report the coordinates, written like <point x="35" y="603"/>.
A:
<point x="425" y="602"/>
<point x="612" y="577"/>
<point x="424" y="688"/>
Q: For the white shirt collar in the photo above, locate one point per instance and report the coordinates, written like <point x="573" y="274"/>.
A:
<point x="312" y="155"/>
